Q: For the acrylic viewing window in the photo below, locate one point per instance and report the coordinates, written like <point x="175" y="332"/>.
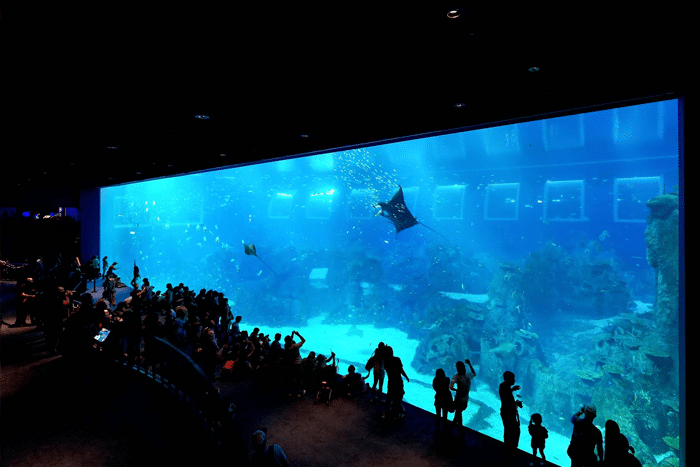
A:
<point x="563" y="133"/>
<point x="281" y="205"/>
<point x="128" y="213"/>
<point x="360" y="204"/>
<point x="564" y="201"/>
<point x="639" y="123"/>
<point x="501" y="140"/>
<point x="448" y="202"/>
<point x="320" y="204"/>
<point x="630" y="196"/>
<point x="501" y="202"/>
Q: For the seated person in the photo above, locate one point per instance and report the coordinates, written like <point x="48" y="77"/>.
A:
<point x="327" y="377"/>
<point x="354" y="383"/>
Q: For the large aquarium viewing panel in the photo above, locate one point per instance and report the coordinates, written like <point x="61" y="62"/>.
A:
<point x="548" y="248"/>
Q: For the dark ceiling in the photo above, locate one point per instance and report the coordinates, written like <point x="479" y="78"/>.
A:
<point x="97" y="95"/>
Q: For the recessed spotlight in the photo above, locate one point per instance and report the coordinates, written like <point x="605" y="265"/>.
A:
<point x="460" y="105"/>
<point x="533" y="69"/>
<point x="112" y="147"/>
<point x="222" y="155"/>
<point x="304" y="135"/>
<point x="202" y="117"/>
<point x="454" y="13"/>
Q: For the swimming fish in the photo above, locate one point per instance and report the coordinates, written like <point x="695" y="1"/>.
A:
<point x="354" y="331"/>
<point x="397" y="212"/>
<point x="251" y="251"/>
<point x="216" y="240"/>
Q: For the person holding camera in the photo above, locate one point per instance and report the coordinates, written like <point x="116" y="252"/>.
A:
<point x="585" y="438"/>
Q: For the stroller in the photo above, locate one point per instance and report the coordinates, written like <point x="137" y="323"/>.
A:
<point x="326" y="378"/>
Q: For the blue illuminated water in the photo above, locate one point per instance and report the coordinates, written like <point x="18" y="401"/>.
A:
<point x="574" y="188"/>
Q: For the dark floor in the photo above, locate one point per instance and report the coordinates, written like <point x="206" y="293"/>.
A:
<point x="56" y="413"/>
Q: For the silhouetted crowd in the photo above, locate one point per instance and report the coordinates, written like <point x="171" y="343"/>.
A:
<point x="203" y="326"/>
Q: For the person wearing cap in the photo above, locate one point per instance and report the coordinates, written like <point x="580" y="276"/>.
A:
<point x="585" y="438"/>
<point x="266" y="456"/>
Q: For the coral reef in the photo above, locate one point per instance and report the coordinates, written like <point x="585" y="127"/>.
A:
<point x="662" y="240"/>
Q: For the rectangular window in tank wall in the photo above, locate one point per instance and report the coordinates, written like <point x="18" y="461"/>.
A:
<point x="281" y="205"/>
<point x="501" y="202"/>
<point x="448" y="202"/>
<point x="563" y="133"/>
<point x="564" y="201"/>
<point x="501" y="140"/>
<point x="630" y="196"/>
<point x="320" y="204"/>
<point x="127" y="214"/>
<point x="639" y="124"/>
<point x="361" y="204"/>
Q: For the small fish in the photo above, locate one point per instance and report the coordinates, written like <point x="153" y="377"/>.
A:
<point x="186" y="232"/>
<point x="605" y="234"/>
<point x="216" y="240"/>
<point x="205" y="238"/>
<point x="167" y="226"/>
<point x="259" y="272"/>
<point x="205" y="228"/>
<point x="197" y="227"/>
<point x="238" y="268"/>
<point x="216" y="227"/>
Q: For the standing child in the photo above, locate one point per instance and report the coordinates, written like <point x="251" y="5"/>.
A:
<point x="538" y="433"/>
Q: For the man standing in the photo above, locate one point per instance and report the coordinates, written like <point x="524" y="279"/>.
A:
<point x="394" y="392"/>
<point x="509" y="413"/>
<point x="585" y="438"/>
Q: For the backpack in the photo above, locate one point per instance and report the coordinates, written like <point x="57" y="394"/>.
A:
<point x="370" y="363"/>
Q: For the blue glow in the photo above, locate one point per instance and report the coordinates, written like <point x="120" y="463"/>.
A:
<point x="542" y="268"/>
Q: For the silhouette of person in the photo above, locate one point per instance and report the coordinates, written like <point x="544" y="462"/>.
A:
<point x="105" y="265"/>
<point x="377" y="364"/>
<point x="538" y="434"/>
<point x="618" y="452"/>
<point x="137" y="276"/>
<point x="394" y="391"/>
<point x="443" y="397"/>
<point x="509" y="413"/>
<point x="266" y="455"/>
<point x="461" y="384"/>
<point x="585" y="438"/>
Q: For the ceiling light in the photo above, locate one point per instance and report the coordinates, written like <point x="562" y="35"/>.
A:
<point x="111" y="147"/>
<point x="460" y="105"/>
<point x="533" y="69"/>
<point x="202" y="117"/>
<point x="454" y="13"/>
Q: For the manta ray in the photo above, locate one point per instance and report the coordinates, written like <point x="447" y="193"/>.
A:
<point x="354" y="331"/>
<point x="396" y="211"/>
<point x="250" y="250"/>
